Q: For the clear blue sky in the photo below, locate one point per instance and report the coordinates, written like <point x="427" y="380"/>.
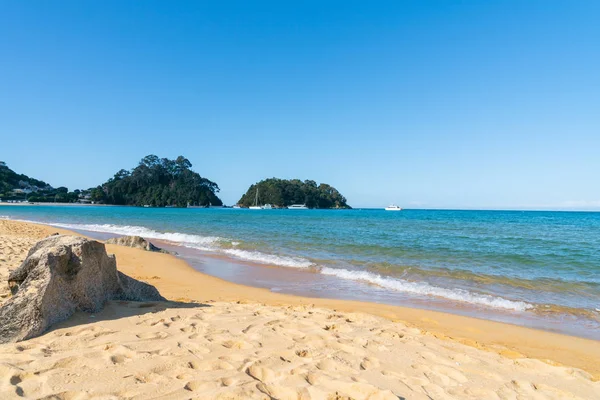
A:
<point x="464" y="104"/>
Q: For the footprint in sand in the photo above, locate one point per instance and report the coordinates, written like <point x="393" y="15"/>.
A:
<point x="194" y="348"/>
<point x="218" y="365"/>
<point x="233" y="357"/>
<point x="193" y="327"/>
<point x="228" y="381"/>
<point x="304" y="353"/>
<point x="103" y="333"/>
<point x="237" y="344"/>
<point x="250" y="328"/>
<point x="152" y="335"/>
<point x="118" y="354"/>
<point x="200" y="386"/>
<point x="119" y="359"/>
<point x="262" y="374"/>
<point x="162" y="322"/>
<point x="67" y="362"/>
<point x="278" y="392"/>
<point x="369" y="363"/>
<point x="333" y="366"/>
<point x="348" y="349"/>
<point x="452" y="373"/>
<point x="161" y="351"/>
<point x="391" y="334"/>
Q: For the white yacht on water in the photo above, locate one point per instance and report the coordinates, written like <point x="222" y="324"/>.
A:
<point x="257" y="207"/>
<point x="393" y="207"/>
<point x="298" y="207"/>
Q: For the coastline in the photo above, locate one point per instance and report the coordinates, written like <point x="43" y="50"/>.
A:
<point x="184" y="284"/>
<point x="27" y="204"/>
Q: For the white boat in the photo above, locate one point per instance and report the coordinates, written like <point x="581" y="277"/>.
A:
<point x="255" y="206"/>
<point x="393" y="207"/>
<point x="298" y="207"/>
<point x="236" y="206"/>
<point x="267" y="207"/>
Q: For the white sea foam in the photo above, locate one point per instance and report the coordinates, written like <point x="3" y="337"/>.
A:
<point x="422" y="288"/>
<point x="181" y="238"/>
<point x="270" y="259"/>
<point x="204" y="243"/>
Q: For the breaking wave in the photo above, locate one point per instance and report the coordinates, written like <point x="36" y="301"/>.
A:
<point x="271" y="259"/>
<point x="422" y="288"/>
<point x="204" y="243"/>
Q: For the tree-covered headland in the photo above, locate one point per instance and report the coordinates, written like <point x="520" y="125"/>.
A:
<point x="283" y="193"/>
<point x="20" y="187"/>
<point x="158" y="182"/>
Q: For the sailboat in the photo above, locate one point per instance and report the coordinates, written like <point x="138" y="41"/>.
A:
<point x="255" y="206"/>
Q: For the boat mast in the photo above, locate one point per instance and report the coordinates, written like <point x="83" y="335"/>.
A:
<point x="256" y="199"/>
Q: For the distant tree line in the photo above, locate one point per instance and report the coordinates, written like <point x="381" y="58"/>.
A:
<point x="58" y="195"/>
<point x="158" y="182"/>
<point x="283" y="193"/>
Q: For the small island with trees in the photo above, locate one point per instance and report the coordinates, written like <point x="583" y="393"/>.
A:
<point x="158" y="182"/>
<point x="282" y="193"/>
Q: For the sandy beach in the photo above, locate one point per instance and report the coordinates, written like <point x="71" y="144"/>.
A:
<point x="216" y="339"/>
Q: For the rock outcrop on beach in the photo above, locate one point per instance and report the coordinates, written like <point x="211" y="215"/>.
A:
<point x="137" y="242"/>
<point x="62" y="275"/>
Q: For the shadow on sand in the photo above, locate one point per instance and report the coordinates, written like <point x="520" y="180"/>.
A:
<point x="118" y="309"/>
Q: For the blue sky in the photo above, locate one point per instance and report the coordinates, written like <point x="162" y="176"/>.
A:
<point x="437" y="104"/>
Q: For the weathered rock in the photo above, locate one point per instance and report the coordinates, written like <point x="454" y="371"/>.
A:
<point x="62" y="275"/>
<point x="136" y="242"/>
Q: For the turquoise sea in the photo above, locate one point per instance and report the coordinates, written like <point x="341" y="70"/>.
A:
<point x="538" y="269"/>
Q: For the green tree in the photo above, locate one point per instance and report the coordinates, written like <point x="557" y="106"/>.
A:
<point x="97" y="195"/>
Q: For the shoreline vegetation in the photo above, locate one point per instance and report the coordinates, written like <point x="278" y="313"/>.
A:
<point x="161" y="182"/>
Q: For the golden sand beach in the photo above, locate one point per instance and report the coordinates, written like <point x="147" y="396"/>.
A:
<point x="219" y="340"/>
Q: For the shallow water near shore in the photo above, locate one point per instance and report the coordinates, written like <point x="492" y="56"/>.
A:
<point x="538" y="269"/>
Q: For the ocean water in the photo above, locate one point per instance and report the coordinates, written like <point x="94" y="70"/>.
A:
<point x="539" y="269"/>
